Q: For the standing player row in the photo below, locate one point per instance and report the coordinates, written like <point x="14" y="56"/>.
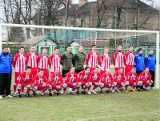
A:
<point x="67" y="59"/>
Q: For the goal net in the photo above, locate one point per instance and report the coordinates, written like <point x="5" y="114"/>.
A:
<point x="14" y="36"/>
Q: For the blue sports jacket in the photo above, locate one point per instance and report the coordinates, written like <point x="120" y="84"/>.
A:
<point x="151" y="62"/>
<point x="5" y="63"/>
<point x="139" y="62"/>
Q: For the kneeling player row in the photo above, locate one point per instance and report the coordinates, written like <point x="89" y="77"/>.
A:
<point x="84" y="79"/>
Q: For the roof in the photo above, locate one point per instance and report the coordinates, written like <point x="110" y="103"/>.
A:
<point x="37" y="39"/>
<point x="86" y="8"/>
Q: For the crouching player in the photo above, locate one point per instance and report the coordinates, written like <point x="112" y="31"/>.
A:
<point x="85" y="78"/>
<point x="56" y="82"/>
<point x="146" y="79"/>
<point x="72" y="82"/>
<point x="95" y="78"/>
<point x="131" y="80"/>
<point x="119" y="79"/>
<point x="40" y="83"/>
<point x="107" y="82"/>
<point x="25" y="79"/>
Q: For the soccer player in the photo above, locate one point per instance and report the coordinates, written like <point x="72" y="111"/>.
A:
<point x="85" y="78"/>
<point x="72" y="81"/>
<point x="31" y="58"/>
<point x="146" y="78"/>
<point x="19" y="63"/>
<point x="43" y="62"/>
<point x="129" y="59"/>
<point x="139" y="62"/>
<point x="107" y="81"/>
<point x="151" y="64"/>
<point x="132" y="80"/>
<point x="119" y="59"/>
<point x="67" y="59"/>
<point x="40" y="83"/>
<point x="56" y="82"/>
<point x="105" y="60"/>
<point x="96" y="79"/>
<point x="92" y="59"/>
<point x="55" y="60"/>
<point x="119" y="79"/>
<point x="78" y="60"/>
<point x="25" y="79"/>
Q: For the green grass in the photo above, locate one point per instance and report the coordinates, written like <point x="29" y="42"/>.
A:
<point x="131" y="106"/>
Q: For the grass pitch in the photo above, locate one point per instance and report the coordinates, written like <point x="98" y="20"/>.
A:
<point x="131" y="106"/>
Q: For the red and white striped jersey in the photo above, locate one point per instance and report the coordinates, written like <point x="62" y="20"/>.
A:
<point x="131" y="76"/>
<point x="145" y="76"/>
<point x="106" y="78"/>
<point x="32" y="60"/>
<point x="55" y="61"/>
<point x="130" y="58"/>
<point x="92" y="59"/>
<point x="105" y="61"/>
<point x="43" y="62"/>
<point x="119" y="59"/>
<point x="19" y="63"/>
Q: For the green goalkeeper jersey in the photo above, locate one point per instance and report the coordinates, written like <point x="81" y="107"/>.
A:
<point x="78" y="60"/>
<point x="67" y="59"/>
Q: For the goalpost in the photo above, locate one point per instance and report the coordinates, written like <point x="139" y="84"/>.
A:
<point x="39" y="36"/>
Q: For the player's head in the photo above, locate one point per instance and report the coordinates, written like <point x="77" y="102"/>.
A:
<point x="56" y="71"/>
<point x="21" y="50"/>
<point x="96" y="69"/>
<point x="40" y="72"/>
<point x="32" y="49"/>
<point x="130" y="48"/>
<point x="87" y="70"/>
<point x="94" y="47"/>
<point x="140" y="50"/>
<point x="69" y="48"/>
<point x="146" y="70"/>
<point x="5" y="49"/>
<point x="106" y="50"/>
<point x="28" y="69"/>
<point x="120" y="70"/>
<point x="133" y="70"/>
<point x="80" y="48"/>
<point x="119" y="47"/>
<point x="44" y="51"/>
<point x="151" y="52"/>
<point x="56" y="49"/>
<point x="72" y="69"/>
<point x="108" y="71"/>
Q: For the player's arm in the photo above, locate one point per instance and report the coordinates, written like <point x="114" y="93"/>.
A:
<point x="74" y="59"/>
<point x="14" y="61"/>
<point x="87" y="58"/>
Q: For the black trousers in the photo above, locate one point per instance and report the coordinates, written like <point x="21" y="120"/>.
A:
<point x="139" y="72"/>
<point x="64" y="72"/>
<point x="5" y="84"/>
<point x="153" y="77"/>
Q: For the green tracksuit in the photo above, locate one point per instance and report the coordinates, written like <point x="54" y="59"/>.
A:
<point x="78" y="60"/>
<point x="67" y="59"/>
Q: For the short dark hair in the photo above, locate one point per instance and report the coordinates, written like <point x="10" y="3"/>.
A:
<point x="68" y="45"/>
<point x="140" y="49"/>
<point x="3" y="47"/>
<point x="56" y="48"/>
<point x="28" y="67"/>
<point x="93" y="45"/>
<point x="21" y="47"/>
<point x="40" y="70"/>
<point x="96" y="67"/>
<point x="86" y="68"/>
<point x="130" y="46"/>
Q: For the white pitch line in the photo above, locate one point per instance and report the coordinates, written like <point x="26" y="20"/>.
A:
<point x="132" y="114"/>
